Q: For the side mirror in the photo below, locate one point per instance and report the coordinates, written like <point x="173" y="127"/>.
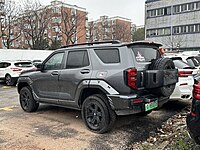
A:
<point x="39" y="66"/>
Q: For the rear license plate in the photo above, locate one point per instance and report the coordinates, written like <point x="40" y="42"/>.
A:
<point x="151" y="105"/>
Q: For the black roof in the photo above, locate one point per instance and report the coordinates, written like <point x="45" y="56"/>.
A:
<point x="109" y="44"/>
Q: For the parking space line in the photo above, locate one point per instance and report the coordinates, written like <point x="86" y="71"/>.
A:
<point x="6" y="87"/>
<point x="9" y="108"/>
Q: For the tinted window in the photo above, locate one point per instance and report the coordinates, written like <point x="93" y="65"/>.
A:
<point x="23" y="64"/>
<point x="55" y="62"/>
<point x="4" y="65"/>
<point x="145" y="54"/>
<point x="77" y="59"/>
<point x="108" y="55"/>
<point x="181" y="64"/>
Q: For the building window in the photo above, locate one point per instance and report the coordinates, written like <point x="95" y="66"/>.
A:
<point x="177" y="9"/>
<point x="55" y="29"/>
<point x="184" y="29"/>
<point x="176" y="30"/>
<point x="197" y="28"/>
<point x="56" y="19"/>
<point x="191" y="6"/>
<point x="153" y="13"/>
<point x="167" y="11"/>
<point x="191" y="28"/>
<point x="167" y="31"/>
<point x="160" y="12"/>
<point x="160" y="32"/>
<point x="197" y="5"/>
<point x="56" y="10"/>
<point x="184" y="7"/>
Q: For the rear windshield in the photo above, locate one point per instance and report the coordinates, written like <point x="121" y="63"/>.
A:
<point x="181" y="64"/>
<point x="194" y="61"/>
<point x="24" y="64"/>
<point x="145" y="54"/>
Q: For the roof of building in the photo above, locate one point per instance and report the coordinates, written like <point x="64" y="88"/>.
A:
<point x="149" y="1"/>
<point x="60" y="3"/>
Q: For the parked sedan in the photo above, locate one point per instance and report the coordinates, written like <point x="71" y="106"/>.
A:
<point x="193" y="118"/>
<point x="183" y="89"/>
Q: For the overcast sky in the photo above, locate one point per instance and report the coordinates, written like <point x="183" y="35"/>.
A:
<point x="132" y="9"/>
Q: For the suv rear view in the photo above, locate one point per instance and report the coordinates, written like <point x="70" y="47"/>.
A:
<point x="102" y="79"/>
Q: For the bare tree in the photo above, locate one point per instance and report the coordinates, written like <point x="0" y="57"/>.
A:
<point x="174" y="42"/>
<point x="8" y="24"/>
<point x="72" y="26"/>
<point x="35" y="20"/>
<point x="123" y="32"/>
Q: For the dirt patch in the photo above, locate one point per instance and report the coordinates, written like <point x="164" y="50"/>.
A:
<point x="20" y="145"/>
<point x="58" y="130"/>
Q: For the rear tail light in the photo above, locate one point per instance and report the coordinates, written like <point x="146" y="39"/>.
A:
<point x="184" y="73"/>
<point x="16" y="69"/>
<point x="196" y="91"/>
<point x="183" y="84"/>
<point x="137" y="101"/>
<point x="131" y="75"/>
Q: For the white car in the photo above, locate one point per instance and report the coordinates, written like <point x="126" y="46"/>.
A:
<point x="10" y="70"/>
<point x="183" y="89"/>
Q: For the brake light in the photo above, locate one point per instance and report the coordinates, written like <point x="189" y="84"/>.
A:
<point x="184" y="73"/>
<point x="183" y="84"/>
<point x="16" y="69"/>
<point x="196" y="91"/>
<point x="137" y="101"/>
<point x="132" y="78"/>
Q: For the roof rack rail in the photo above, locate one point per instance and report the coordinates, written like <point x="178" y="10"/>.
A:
<point x="92" y="43"/>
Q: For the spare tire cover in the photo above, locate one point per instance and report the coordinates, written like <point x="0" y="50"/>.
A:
<point x="163" y="64"/>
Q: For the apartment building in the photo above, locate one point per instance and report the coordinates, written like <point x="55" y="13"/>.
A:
<point x="113" y="28"/>
<point x="174" y="23"/>
<point x="55" y="22"/>
<point x="2" y="3"/>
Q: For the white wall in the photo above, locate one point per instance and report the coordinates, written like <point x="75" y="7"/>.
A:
<point x="19" y="54"/>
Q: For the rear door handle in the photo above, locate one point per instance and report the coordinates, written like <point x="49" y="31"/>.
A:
<point x="54" y="73"/>
<point x="85" y="71"/>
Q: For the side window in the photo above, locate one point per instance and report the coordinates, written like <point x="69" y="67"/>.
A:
<point x="108" y="55"/>
<point x="55" y="62"/>
<point x="7" y="65"/>
<point x="77" y="59"/>
<point x="4" y="65"/>
<point x="1" y="65"/>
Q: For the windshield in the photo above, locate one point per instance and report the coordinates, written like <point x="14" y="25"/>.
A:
<point x="194" y="61"/>
<point x="182" y="65"/>
<point x="145" y="54"/>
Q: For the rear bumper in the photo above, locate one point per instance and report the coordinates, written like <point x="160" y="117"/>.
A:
<point x="193" y="121"/>
<point x="183" y="89"/>
<point x="131" y="104"/>
<point x="182" y="93"/>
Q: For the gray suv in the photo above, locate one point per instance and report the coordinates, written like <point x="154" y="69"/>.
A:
<point x="102" y="79"/>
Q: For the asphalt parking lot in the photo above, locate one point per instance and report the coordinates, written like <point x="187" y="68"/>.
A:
<point x="52" y="128"/>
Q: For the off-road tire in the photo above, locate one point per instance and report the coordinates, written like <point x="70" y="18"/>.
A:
<point x="163" y="64"/>
<point x="27" y="101"/>
<point x="97" y="114"/>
